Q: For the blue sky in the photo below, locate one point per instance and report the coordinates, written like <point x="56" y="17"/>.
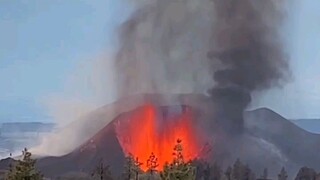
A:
<point x="300" y="98"/>
<point x="42" y="41"/>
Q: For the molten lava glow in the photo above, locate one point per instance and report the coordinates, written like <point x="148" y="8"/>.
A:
<point x="147" y="131"/>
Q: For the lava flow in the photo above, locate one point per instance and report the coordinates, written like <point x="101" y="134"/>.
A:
<point x="150" y="129"/>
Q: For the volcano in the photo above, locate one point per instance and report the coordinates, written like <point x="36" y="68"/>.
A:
<point x="269" y="140"/>
<point x="144" y="131"/>
<point x="151" y="130"/>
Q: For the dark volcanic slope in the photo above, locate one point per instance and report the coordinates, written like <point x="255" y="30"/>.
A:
<point x="297" y="145"/>
<point x="103" y="146"/>
<point x="81" y="130"/>
<point x="270" y="140"/>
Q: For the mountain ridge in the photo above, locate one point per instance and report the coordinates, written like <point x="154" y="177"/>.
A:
<point x="269" y="139"/>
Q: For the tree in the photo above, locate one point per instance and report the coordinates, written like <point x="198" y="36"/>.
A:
<point x="152" y="164"/>
<point x="137" y="168"/>
<point x="237" y="170"/>
<point x="228" y="173"/>
<point x="24" y="169"/>
<point x="177" y="153"/>
<point x="241" y="172"/>
<point x="265" y="174"/>
<point x="249" y="175"/>
<point x="306" y="173"/>
<point x="182" y="172"/>
<point x="178" y="169"/>
<point x="166" y="172"/>
<point x="283" y="175"/>
<point x="132" y="168"/>
<point x="203" y="169"/>
<point x="128" y="168"/>
<point x="102" y="172"/>
<point x="215" y="172"/>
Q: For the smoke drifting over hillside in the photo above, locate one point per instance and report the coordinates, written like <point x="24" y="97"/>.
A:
<point x="228" y="48"/>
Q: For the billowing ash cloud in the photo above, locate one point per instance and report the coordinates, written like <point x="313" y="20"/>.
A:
<point x="229" y="47"/>
<point x="164" y="46"/>
<point x="247" y="44"/>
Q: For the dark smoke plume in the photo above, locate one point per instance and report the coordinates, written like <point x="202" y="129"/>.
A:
<point x="246" y="42"/>
<point x="229" y="47"/>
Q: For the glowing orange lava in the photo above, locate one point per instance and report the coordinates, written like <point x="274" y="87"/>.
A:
<point x="147" y="131"/>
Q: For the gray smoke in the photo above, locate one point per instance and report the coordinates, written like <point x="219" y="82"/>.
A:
<point x="246" y="42"/>
<point x="164" y="46"/>
<point x="229" y="47"/>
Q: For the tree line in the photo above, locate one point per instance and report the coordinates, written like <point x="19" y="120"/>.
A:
<point x="178" y="169"/>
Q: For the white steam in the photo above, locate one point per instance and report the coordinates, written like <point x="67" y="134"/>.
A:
<point x="89" y="87"/>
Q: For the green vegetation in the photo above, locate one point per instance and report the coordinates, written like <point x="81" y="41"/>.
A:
<point x="24" y="169"/>
<point x="178" y="169"/>
<point x="132" y="168"/>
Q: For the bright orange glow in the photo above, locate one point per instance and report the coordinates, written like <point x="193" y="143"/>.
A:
<point x="145" y="131"/>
